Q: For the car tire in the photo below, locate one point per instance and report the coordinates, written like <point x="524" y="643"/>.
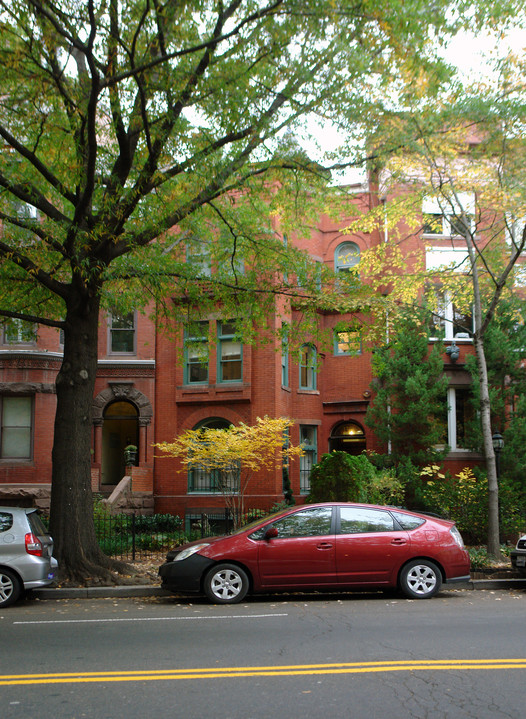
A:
<point x="226" y="584"/>
<point x="10" y="588"/>
<point x="420" y="579"/>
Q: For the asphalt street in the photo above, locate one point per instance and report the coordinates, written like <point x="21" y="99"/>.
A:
<point x="461" y="654"/>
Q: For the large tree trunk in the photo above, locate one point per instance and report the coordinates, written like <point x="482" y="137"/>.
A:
<point x="71" y="523"/>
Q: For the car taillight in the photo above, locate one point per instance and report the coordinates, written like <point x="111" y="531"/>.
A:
<point x="457" y="537"/>
<point x="34" y="545"/>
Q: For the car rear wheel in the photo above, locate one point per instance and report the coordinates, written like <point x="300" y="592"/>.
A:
<point x="226" y="584"/>
<point x="10" y="588"/>
<point x="420" y="579"/>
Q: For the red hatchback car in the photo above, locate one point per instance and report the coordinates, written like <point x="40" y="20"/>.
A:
<point x="322" y="546"/>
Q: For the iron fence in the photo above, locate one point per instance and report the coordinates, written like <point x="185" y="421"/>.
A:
<point x="134" y="536"/>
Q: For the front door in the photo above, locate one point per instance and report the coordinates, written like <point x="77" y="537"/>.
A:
<point x="303" y="553"/>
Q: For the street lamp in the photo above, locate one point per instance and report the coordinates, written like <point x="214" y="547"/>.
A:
<point x="498" y="443"/>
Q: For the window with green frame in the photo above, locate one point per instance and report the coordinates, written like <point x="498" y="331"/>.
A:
<point x="309" y="444"/>
<point x="229" y="353"/>
<point x="285" y="356"/>
<point x="202" y="480"/>
<point x="348" y="342"/>
<point x="347" y="255"/>
<point x="307" y="367"/>
<point x="196" y="354"/>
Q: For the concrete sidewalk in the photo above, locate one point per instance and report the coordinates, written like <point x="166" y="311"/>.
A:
<point x="124" y="591"/>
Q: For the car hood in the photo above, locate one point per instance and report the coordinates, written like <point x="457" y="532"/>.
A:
<point x="205" y="540"/>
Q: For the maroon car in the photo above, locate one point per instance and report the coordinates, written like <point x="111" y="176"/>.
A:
<point x="323" y="546"/>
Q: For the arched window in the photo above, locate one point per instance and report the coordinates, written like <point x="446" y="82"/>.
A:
<point x="347" y="255"/>
<point x="308" y="367"/>
<point x="202" y="480"/>
<point x="348" y="437"/>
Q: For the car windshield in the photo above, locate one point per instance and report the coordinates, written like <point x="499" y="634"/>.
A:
<point x="257" y="522"/>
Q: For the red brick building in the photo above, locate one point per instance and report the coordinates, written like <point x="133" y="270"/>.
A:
<point x="145" y="394"/>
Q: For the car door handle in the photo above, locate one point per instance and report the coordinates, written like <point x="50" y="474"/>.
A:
<point x="399" y="540"/>
<point x="324" y="545"/>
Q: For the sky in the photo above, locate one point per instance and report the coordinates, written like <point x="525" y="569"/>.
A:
<point x="472" y="54"/>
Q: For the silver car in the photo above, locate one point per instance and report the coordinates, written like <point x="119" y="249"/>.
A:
<point x="26" y="553"/>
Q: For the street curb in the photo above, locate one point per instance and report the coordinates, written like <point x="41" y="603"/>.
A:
<point x="120" y="591"/>
<point x="125" y="592"/>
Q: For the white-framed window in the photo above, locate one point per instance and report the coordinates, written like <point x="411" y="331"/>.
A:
<point x="448" y="321"/>
<point x="122" y="333"/>
<point x="198" y="256"/>
<point x="445" y="218"/>
<point x="16" y="428"/>
<point x="309" y="444"/>
<point x="458" y="413"/>
<point x="18" y="332"/>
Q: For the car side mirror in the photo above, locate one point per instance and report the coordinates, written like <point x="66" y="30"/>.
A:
<point x="271" y="533"/>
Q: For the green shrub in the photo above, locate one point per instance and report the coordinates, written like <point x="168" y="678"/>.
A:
<point x="340" y="477"/>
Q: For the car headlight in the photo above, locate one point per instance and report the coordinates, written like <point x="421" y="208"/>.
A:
<point x="189" y="551"/>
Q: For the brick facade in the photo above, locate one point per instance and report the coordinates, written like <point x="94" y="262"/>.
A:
<point x="141" y="397"/>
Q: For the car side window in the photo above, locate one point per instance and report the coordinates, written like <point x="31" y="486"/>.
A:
<point x="406" y="521"/>
<point x="310" y="522"/>
<point x="6" y="521"/>
<point x="357" y="520"/>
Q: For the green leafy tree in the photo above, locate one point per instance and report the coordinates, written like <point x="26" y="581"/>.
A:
<point x="505" y="351"/>
<point x="407" y="409"/>
<point x="136" y="133"/>
<point x="465" y="152"/>
<point x="340" y="477"/>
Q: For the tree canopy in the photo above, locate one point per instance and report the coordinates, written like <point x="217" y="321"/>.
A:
<point x="139" y="135"/>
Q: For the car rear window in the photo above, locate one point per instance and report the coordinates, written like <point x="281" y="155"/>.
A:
<point x="36" y="524"/>
<point x="408" y="521"/>
<point x="6" y="521"/>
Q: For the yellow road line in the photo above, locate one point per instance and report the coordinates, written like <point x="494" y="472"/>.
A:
<point x="264" y="671"/>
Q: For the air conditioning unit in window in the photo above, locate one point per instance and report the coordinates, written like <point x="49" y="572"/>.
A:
<point x="462" y="336"/>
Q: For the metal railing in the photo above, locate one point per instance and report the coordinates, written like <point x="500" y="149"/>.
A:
<point x="135" y="536"/>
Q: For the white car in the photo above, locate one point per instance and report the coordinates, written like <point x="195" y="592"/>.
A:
<point x="518" y="555"/>
<point x="26" y="553"/>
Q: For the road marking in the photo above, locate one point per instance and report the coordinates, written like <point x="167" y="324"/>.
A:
<point x="278" y="671"/>
<point x="150" y="619"/>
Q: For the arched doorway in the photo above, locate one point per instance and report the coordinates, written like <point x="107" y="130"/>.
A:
<point x="347" y="437"/>
<point x="120" y="429"/>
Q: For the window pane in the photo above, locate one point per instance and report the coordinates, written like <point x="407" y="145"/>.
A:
<point x="16" y="427"/>
<point x="356" y="520"/>
<point x="6" y="521"/>
<point x="307" y="523"/>
<point x="18" y="332"/>
<point x="347" y="256"/>
<point x="123" y="333"/>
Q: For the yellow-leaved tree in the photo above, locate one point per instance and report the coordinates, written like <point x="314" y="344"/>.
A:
<point x="231" y="456"/>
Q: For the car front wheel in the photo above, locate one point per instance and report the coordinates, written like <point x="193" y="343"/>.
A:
<point x="10" y="588"/>
<point x="420" y="579"/>
<point x="226" y="584"/>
